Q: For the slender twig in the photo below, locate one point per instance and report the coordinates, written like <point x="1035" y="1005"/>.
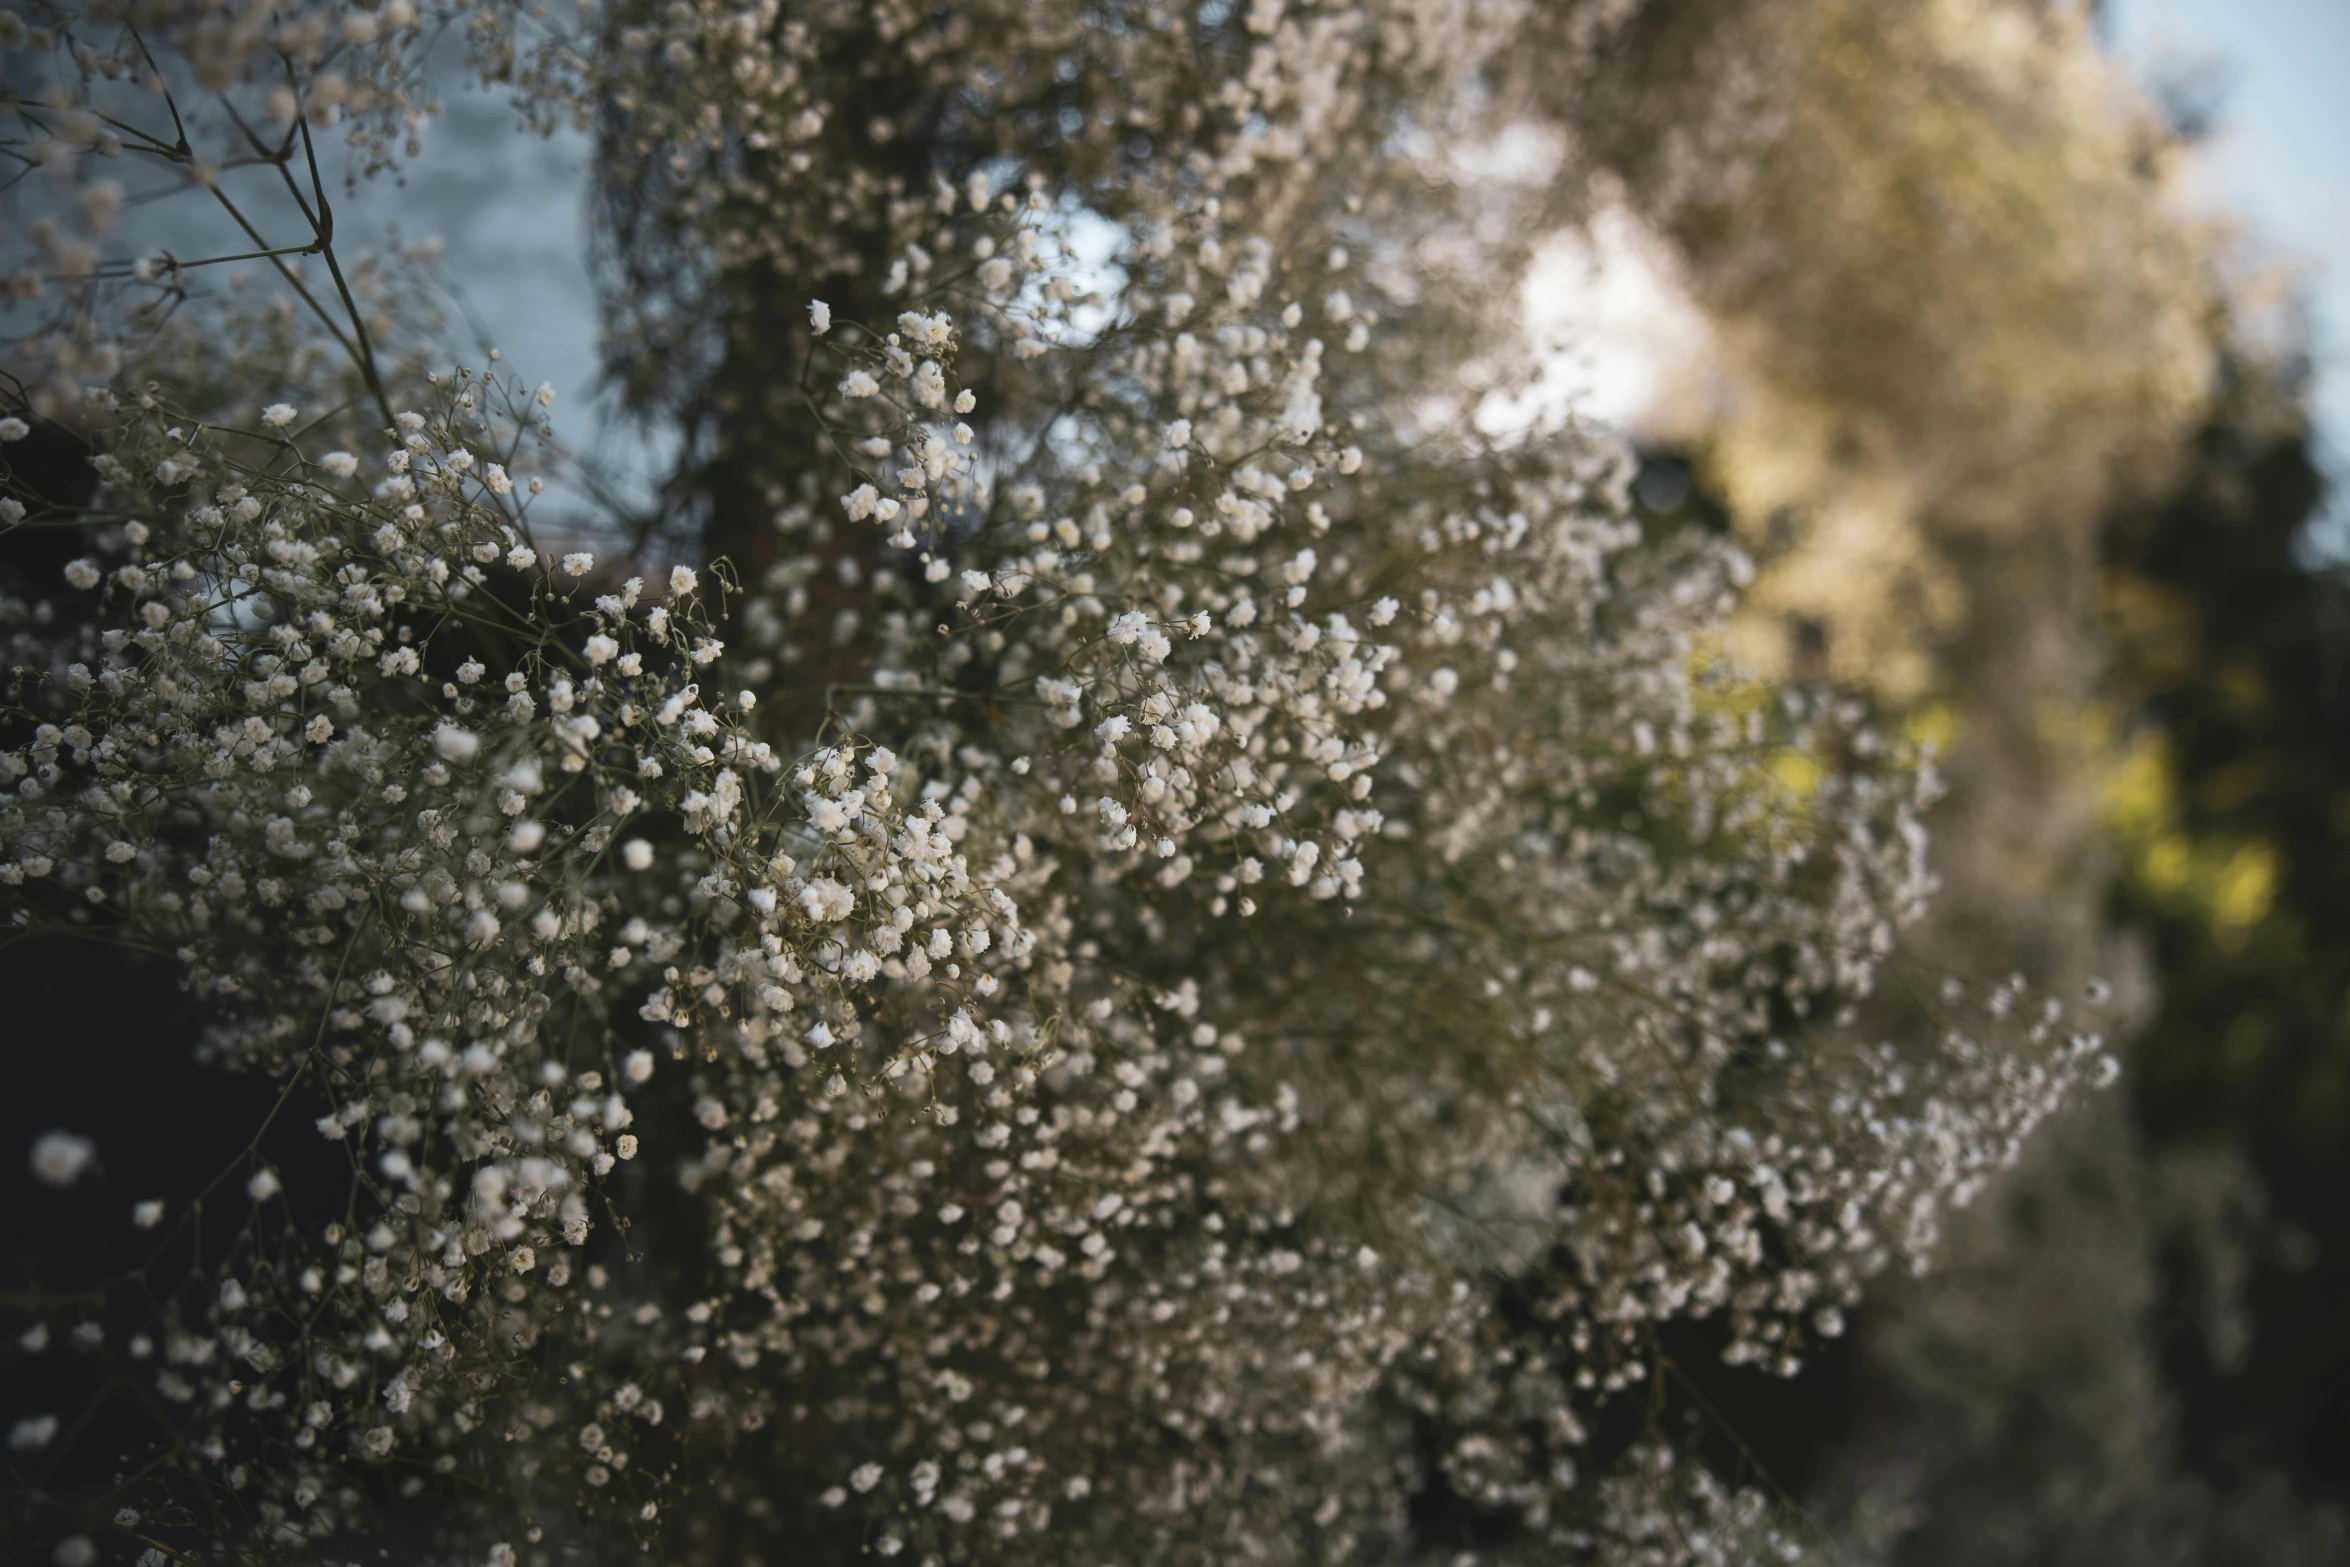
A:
<point x="325" y="228"/>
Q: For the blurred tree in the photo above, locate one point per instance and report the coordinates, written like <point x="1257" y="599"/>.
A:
<point x="2231" y="641"/>
<point x="1962" y="330"/>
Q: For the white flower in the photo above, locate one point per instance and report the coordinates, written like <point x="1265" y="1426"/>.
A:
<point x="637" y="854"/>
<point x="546" y="394"/>
<point x="819" y="316"/>
<point x="859" y="503"/>
<point x="826" y="899"/>
<point x="341" y="464"/>
<point x="601" y="649"/>
<point x="859" y="383"/>
<point x="14" y="429"/>
<point x="82" y="574"/>
<point x="278" y="415"/>
<point x="32" y="1434"/>
<point x="455" y="744"/>
<point x="682" y="581"/>
<point x="495" y="477"/>
<point x="264" y="1185"/>
<point x="578" y="563"/>
<point x="148" y="1214"/>
<point x="638" y="1067"/>
<point x="59" y="1158"/>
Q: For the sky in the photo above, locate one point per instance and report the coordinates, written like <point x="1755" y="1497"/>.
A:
<point x="2278" y="160"/>
<point x="512" y="211"/>
<point x="510" y="214"/>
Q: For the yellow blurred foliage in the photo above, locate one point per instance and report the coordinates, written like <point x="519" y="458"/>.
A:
<point x="2227" y="883"/>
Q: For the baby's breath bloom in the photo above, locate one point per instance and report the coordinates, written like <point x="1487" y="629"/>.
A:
<point x="958" y="921"/>
<point x="59" y="1158"/>
<point x="32" y="1433"/>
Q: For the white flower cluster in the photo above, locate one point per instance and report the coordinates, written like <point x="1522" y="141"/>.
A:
<point x="1175" y="932"/>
